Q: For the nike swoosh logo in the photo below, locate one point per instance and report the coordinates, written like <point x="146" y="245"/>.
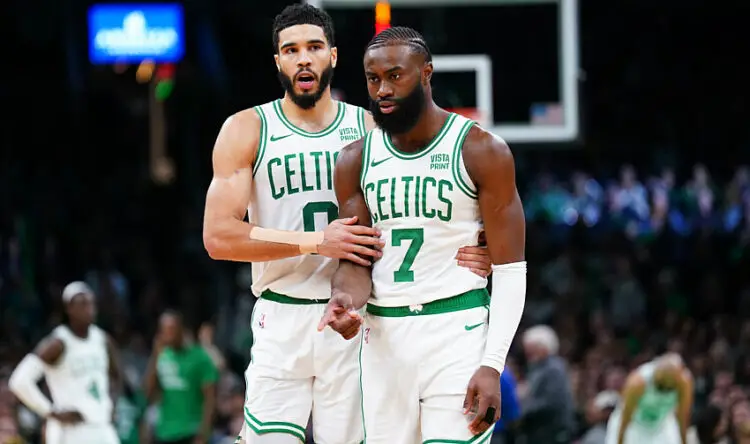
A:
<point x="275" y="138"/>
<point x="378" y="162"/>
<point x="472" y="327"/>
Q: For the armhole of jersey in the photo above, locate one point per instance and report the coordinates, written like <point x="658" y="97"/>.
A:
<point x="261" y="139"/>
<point x="361" y="122"/>
<point x="460" y="173"/>
<point x="365" y="160"/>
<point x="59" y="334"/>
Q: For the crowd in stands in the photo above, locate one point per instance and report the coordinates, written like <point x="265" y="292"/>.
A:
<point x="622" y="268"/>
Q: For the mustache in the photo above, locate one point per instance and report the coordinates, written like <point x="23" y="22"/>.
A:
<point x="388" y="100"/>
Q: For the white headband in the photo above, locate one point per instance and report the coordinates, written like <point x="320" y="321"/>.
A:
<point x="75" y="288"/>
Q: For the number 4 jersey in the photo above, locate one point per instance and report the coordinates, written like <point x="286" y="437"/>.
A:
<point x="426" y="205"/>
<point x="293" y="190"/>
<point x="80" y="380"/>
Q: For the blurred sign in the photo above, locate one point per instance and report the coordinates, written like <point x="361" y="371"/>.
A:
<point x="131" y="33"/>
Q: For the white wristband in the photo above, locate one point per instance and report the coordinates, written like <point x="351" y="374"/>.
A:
<point x="506" y="309"/>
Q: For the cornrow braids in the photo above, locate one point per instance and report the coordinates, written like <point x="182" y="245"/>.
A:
<point x="402" y="35"/>
<point x="302" y="14"/>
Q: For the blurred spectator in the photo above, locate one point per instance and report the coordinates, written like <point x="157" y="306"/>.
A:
<point x="629" y="200"/>
<point x="628" y="300"/>
<point x="663" y="202"/>
<point x="547" y="200"/>
<point x="182" y="377"/>
<point x="597" y="415"/>
<point x="547" y="407"/>
<point x="710" y="427"/>
<point x="112" y="289"/>
<point x="586" y="202"/>
<point x="9" y="430"/>
<point x="739" y="420"/>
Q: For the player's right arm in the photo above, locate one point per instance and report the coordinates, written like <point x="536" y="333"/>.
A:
<point x="26" y="376"/>
<point x="631" y="395"/>
<point x="225" y="234"/>
<point x="351" y="285"/>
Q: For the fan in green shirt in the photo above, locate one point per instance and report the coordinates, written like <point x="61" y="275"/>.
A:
<point x="183" y="378"/>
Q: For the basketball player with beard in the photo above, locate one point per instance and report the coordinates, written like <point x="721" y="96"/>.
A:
<point x="434" y="342"/>
<point x="275" y="162"/>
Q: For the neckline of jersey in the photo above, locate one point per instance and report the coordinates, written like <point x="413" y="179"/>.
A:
<point x="429" y="147"/>
<point x="299" y="131"/>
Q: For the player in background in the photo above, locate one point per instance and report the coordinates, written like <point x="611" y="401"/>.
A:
<point x="79" y="363"/>
<point x="430" y="181"/>
<point x="182" y="377"/>
<point x="655" y="405"/>
<point x="275" y="162"/>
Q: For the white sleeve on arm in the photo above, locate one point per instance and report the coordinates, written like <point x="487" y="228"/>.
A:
<point x="23" y="384"/>
<point x="506" y="309"/>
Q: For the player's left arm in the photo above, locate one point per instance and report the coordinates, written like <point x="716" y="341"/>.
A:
<point x="474" y="257"/>
<point x="685" y="403"/>
<point x="351" y="284"/>
<point x="490" y="165"/>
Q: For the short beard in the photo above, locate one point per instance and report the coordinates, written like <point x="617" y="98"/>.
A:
<point x="405" y="116"/>
<point x="307" y="100"/>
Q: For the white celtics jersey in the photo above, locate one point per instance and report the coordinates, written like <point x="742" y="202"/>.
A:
<point x="293" y="190"/>
<point x="654" y="406"/>
<point x="425" y="204"/>
<point x="80" y="380"/>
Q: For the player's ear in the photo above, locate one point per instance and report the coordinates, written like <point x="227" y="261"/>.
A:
<point x="427" y="73"/>
<point x="334" y="56"/>
<point x="276" y="59"/>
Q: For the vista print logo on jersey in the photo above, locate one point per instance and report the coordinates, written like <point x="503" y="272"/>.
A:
<point x="133" y="33"/>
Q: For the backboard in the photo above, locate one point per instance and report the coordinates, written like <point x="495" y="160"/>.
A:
<point x="510" y="64"/>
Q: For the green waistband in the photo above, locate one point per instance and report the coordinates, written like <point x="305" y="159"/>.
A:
<point x="283" y="299"/>
<point x="463" y="301"/>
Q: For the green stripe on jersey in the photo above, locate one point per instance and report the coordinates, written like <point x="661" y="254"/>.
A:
<point x="299" y="131"/>
<point x="261" y="139"/>
<point x="457" y="156"/>
<point x="435" y="141"/>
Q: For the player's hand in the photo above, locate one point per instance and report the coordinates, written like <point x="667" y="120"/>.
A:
<point x="483" y="399"/>
<point x="476" y="259"/>
<point x="342" y="239"/>
<point x="67" y="417"/>
<point x="341" y="316"/>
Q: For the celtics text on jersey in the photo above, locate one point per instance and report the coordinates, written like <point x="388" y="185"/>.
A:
<point x="426" y="206"/>
<point x="293" y="190"/>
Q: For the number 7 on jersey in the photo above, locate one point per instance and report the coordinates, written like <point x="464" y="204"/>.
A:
<point x="416" y="236"/>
